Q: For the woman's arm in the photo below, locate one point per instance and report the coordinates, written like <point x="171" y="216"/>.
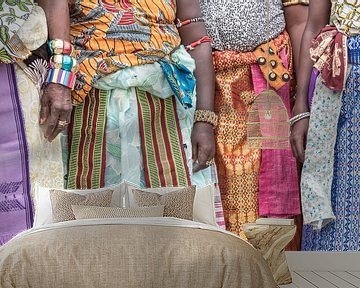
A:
<point x="56" y="101"/>
<point x="319" y="14"/>
<point x="296" y="17"/>
<point x="203" y="134"/>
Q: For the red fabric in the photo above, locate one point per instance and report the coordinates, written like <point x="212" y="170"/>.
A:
<point x="328" y="51"/>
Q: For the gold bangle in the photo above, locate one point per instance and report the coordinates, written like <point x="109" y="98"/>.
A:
<point x="206" y="116"/>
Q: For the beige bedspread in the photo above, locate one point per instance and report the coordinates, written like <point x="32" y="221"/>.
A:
<point x="149" y="253"/>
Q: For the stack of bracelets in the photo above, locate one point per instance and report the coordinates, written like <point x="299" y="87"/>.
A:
<point x="204" y="39"/>
<point x="206" y="116"/>
<point x="63" y="66"/>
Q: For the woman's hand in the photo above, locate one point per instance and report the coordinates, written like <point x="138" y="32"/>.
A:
<point x="55" y="112"/>
<point x="56" y="100"/>
<point x="298" y="135"/>
<point x="203" y="145"/>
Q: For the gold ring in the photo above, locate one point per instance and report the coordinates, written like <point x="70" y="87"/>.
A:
<point x="62" y="124"/>
<point x="210" y="162"/>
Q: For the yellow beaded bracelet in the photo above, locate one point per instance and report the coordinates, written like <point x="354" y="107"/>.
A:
<point x="206" y="116"/>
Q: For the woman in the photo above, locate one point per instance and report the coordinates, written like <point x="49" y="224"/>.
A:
<point x="327" y="81"/>
<point x="253" y="182"/>
<point x="135" y="93"/>
<point x="24" y="156"/>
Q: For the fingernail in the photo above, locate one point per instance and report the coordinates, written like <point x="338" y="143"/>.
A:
<point x="42" y="121"/>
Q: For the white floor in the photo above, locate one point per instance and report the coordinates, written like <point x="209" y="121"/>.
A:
<point x="324" y="269"/>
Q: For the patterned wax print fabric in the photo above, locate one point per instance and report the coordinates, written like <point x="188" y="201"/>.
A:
<point x="248" y="175"/>
<point x="345" y="15"/>
<point x="242" y="25"/>
<point x="330" y="188"/>
<point x="13" y="15"/>
<point x="110" y="35"/>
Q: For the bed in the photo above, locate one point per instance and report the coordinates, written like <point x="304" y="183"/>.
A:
<point x="131" y="252"/>
<point x="116" y="237"/>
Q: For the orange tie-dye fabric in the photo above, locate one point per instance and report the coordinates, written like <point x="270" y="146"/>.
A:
<point x="109" y="35"/>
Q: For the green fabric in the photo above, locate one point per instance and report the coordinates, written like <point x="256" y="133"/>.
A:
<point x="13" y="14"/>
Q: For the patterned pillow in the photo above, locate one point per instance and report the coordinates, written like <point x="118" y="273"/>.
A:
<point x="61" y="202"/>
<point x="177" y="203"/>
<point x="94" y="212"/>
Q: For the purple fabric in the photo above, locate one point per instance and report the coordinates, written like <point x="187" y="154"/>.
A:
<point x="314" y="74"/>
<point x="279" y="191"/>
<point x="16" y="213"/>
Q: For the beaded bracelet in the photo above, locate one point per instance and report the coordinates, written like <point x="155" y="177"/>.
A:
<point x="180" y="23"/>
<point x="192" y="46"/>
<point x="62" y="77"/>
<point x="64" y="62"/>
<point x="298" y="117"/>
<point x="58" y="47"/>
<point x="206" y="116"/>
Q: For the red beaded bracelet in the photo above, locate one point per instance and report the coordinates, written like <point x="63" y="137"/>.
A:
<point x="180" y="23"/>
<point x="205" y="39"/>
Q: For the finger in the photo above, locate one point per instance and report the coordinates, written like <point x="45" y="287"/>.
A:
<point x="66" y="110"/>
<point x="58" y="129"/>
<point x="51" y="124"/>
<point x="196" y="164"/>
<point x="60" y="126"/>
<point x="68" y="117"/>
<point x="62" y="121"/>
<point x="44" y="109"/>
<point x="195" y="158"/>
<point x="302" y="156"/>
<point x="293" y="146"/>
<point x="204" y="154"/>
<point x="300" y="150"/>
<point x="197" y="168"/>
<point x="61" y="109"/>
<point x="211" y="153"/>
<point x="65" y="113"/>
<point x="194" y="152"/>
